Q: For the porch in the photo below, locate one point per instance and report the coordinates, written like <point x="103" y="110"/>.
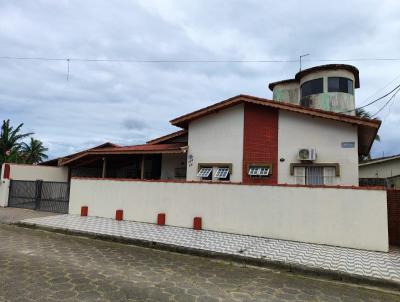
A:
<point x="164" y="161"/>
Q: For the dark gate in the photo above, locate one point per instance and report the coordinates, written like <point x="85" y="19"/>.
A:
<point x="39" y="195"/>
<point x="393" y="207"/>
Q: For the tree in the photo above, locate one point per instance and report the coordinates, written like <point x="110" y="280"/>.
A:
<point x="11" y="142"/>
<point x="34" y="152"/>
<point x="361" y="112"/>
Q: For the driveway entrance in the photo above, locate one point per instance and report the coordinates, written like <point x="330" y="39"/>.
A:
<point x="39" y="195"/>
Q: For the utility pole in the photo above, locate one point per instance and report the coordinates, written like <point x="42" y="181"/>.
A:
<point x="302" y="57"/>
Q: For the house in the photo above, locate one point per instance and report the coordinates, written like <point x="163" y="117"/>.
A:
<point x="307" y="135"/>
<point x="285" y="168"/>
<point x="382" y="171"/>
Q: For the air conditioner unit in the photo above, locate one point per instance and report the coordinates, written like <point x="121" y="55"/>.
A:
<point x="307" y="154"/>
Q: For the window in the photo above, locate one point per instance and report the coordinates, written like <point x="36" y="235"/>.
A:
<point x="205" y="173"/>
<point x="222" y="173"/>
<point x="258" y="171"/>
<point x="315" y="175"/>
<point x="312" y="87"/>
<point x="300" y="175"/>
<point x="329" y="175"/>
<point x="339" y="84"/>
<point x="215" y="171"/>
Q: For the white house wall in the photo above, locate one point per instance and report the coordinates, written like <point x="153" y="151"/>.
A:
<point x="343" y="217"/>
<point x="380" y="170"/>
<point x="297" y="131"/>
<point x="217" y="138"/>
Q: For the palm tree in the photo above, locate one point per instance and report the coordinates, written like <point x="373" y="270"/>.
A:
<point x="361" y="112"/>
<point x="11" y="142"/>
<point x="34" y="152"/>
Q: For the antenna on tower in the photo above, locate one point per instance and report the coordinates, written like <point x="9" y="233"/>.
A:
<point x="307" y="54"/>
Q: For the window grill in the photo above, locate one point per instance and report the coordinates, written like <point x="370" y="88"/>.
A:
<point x="221" y="173"/>
<point x="204" y="172"/>
<point x="258" y="171"/>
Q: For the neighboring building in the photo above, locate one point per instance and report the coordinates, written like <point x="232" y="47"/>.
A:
<point x="383" y="171"/>
<point x="307" y="135"/>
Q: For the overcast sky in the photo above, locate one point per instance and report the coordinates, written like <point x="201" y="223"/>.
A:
<point x="129" y="103"/>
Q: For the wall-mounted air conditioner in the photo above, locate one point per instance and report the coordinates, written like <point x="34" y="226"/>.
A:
<point x="307" y="154"/>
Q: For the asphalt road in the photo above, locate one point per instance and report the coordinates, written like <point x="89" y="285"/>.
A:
<point x="43" y="266"/>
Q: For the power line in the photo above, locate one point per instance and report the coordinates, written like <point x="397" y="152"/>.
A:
<point x="382" y="88"/>
<point x="383" y="107"/>
<point x="145" y="61"/>
<point x="192" y="60"/>
<point x="374" y="101"/>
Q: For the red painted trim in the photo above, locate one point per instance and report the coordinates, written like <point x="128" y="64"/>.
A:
<point x="380" y="188"/>
<point x="119" y="215"/>
<point x="6" y="174"/>
<point x="197" y="223"/>
<point x="84" y="211"/>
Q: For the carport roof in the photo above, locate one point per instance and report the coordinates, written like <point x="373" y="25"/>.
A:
<point x="137" y="149"/>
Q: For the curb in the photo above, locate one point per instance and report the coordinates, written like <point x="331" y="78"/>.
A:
<point x="265" y="263"/>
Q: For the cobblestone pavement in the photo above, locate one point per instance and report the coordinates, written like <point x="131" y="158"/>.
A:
<point x="10" y="215"/>
<point x="43" y="266"/>
<point x="360" y="263"/>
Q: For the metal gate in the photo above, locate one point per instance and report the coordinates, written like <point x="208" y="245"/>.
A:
<point x="39" y="195"/>
<point x="393" y="208"/>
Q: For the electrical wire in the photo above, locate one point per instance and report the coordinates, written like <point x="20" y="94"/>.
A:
<point x="383" y="107"/>
<point x="380" y="89"/>
<point x="374" y="101"/>
<point x="193" y="60"/>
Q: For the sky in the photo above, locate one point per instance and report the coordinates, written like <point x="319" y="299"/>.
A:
<point x="128" y="102"/>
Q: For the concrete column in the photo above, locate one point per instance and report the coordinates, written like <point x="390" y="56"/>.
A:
<point x="142" y="168"/>
<point x="103" y="174"/>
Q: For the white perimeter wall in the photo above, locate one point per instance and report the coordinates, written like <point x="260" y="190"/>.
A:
<point x="380" y="170"/>
<point x="341" y="217"/>
<point x="4" y="189"/>
<point x="29" y="172"/>
<point x="297" y="131"/>
<point x="217" y="138"/>
<point x="45" y="173"/>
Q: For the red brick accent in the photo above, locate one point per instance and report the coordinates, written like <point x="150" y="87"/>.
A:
<point x="197" y="223"/>
<point x="6" y="174"/>
<point x="393" y="208"/>
<point x="119" y="215"/>
<point x="260" y="141"/>
<point x="161" y="219"/>
<point x="84" y="211"/>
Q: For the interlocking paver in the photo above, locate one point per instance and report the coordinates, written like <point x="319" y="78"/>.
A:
<point x="43" y="266"/>
<point x="370" y="264"/>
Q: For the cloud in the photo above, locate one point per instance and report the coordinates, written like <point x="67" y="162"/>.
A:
<point x="134" y="124"/>
<point x="129" y="103"/>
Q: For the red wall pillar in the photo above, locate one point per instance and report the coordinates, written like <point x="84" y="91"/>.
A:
<point x="260" y="141"/>
<point x="6" y="174"/>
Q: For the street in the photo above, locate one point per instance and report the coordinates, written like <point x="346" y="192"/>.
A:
<point x="43" y="266"/>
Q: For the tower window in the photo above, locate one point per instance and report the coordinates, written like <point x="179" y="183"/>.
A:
<point x="339" y="84"/>
<point x="312" y="87"/>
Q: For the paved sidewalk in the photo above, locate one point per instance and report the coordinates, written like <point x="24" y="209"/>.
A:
<point x="349" y="262"/>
